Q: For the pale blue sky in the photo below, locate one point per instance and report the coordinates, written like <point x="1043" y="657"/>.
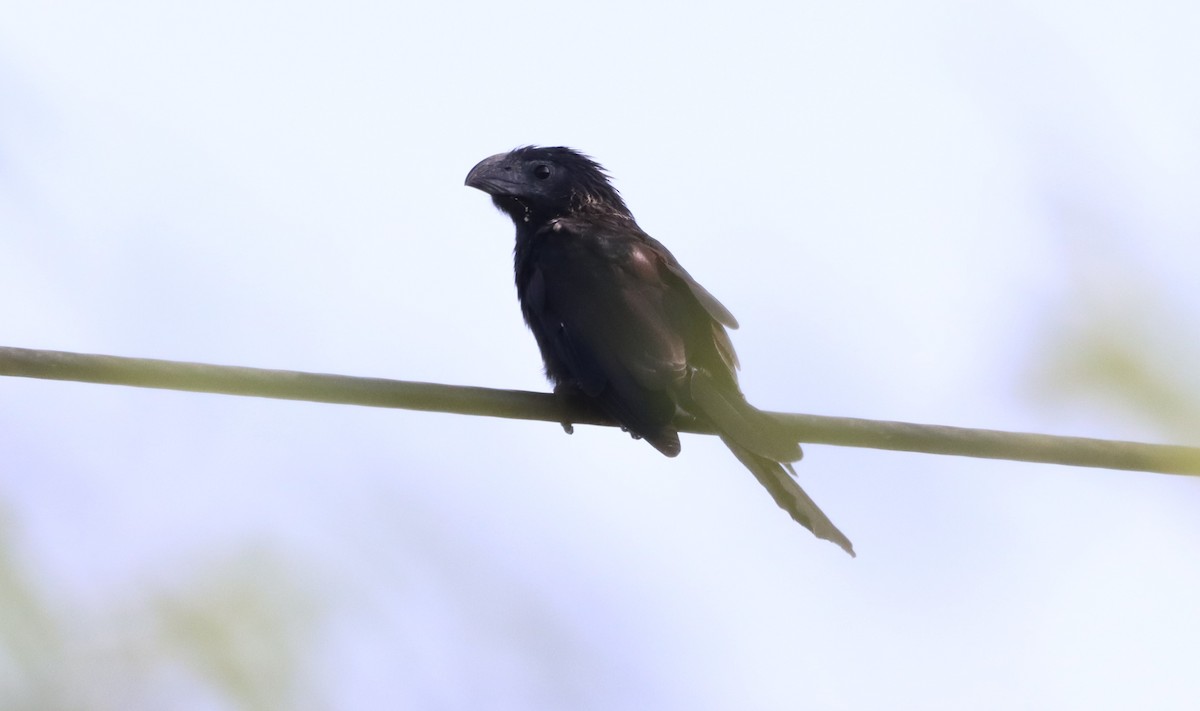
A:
<point x="908" y="208"/>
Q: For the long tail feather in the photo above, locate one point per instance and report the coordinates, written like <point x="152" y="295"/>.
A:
<point x="740" y="421"/>
<point x="788" y="494"/>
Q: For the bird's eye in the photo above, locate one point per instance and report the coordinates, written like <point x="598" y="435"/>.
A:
<point x="541" y="172"/>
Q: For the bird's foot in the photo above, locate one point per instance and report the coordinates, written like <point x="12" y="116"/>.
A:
<point x="567" y="395"/>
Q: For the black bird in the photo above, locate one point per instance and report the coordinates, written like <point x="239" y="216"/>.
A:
<point x="622" y="324"/>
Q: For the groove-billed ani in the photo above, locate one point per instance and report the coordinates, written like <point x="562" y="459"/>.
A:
<point x="620" y="322"/>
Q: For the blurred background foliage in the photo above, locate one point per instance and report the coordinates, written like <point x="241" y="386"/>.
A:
<point x="1118" y="347"/>
<point x="1118" y="342"/>
<point x="232" y="634"/>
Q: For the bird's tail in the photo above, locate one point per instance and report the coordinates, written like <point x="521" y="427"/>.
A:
<point x="777" y="479"/>
<point x="765" y="447"/>
<point x="740" y="421"/>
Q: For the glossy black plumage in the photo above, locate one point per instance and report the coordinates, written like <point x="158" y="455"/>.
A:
<point x="619" y="321"/>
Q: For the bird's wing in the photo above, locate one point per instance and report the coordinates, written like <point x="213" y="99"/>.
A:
<point x="711" y="386"/>
<point x="701" y="310"/>
<point x="714" y="308"/>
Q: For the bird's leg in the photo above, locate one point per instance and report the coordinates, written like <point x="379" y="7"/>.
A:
<point x="566" y="394"/>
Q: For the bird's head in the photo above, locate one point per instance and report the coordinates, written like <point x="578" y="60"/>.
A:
<point x="534" y="183"/>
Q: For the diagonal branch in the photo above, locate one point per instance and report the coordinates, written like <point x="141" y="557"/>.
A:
<point x="519" y="404"/>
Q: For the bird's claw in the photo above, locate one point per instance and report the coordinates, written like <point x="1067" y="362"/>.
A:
<point x="566" y="394"/>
